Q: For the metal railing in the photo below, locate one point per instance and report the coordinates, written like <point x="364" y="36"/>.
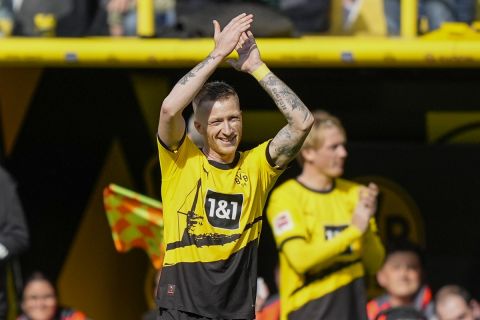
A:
<point x="145" y="18"/>
<point x="408" y="18"/>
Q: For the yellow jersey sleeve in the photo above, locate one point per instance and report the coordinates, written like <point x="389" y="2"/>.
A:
<point x="270" y="172"/>
<point x="373" y="252"/>
<point x="171" y="160"/>
<point x="284" y="217"/>
<point x="305" y="256"/>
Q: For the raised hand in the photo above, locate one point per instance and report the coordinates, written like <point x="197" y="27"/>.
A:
<point x="248" y="54"/>
<point x="366" y="206"/>
<point x="226" y="40"/>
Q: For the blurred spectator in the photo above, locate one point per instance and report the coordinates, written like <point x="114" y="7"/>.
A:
<point x="358" y="17"/>
<point x="267" y="305"/>
<point x="455" y="303"/>
<point x="436" y="12"/>
<point x="325" y="231"/>
<point x="401" y="313"/>
<point x="6" y="18"/>
<point x="39" y="302"/>
<point x="47" y="18"/>
<point x="195" y="17"/>
<point x="262" y="293"/>
<point x="308" y="16"/>
<point x="466" y="10"/>
<point x="13" y="232"/>
<point x="402" y="278"/>
<point x="152" y="314"/>
<point x="122" y="16"/>
<point x="270" y="310"/>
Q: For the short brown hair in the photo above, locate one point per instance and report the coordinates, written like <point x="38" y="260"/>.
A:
<point x="214" y="91"/>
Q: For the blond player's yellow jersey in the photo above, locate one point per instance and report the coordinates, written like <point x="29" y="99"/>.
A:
<point x="212" y="223"/>
<point x="322" y="256"/>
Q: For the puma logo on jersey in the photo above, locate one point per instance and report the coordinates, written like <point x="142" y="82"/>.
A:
<point x="223" y="210"/>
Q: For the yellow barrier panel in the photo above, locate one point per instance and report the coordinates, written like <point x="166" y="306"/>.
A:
<point x="438" y="51"/>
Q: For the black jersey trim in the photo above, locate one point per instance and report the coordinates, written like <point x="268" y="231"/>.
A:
<point x="310" y="278"/>
<point x="178" y="145"/>
<point x="270" y="160"/>
<point x="280" y="246"/>
<point x="226" y="166"/>
<point x="269" y="156"/>
<point x="256" y="220"/>
<point x="326" y="191"/>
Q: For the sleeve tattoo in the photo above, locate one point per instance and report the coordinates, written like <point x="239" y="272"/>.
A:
<point x="289" y="140"/>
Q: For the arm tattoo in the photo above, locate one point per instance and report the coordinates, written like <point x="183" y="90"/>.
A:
<point x="186" y="77"/>
<point x="281" y="145"/>
<point x="289" y="139"/>
<point x="192" y="73"/>
<point x="284" y="97"/>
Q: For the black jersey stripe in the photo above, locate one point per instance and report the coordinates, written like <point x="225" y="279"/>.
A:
<point x="220" y="289"/>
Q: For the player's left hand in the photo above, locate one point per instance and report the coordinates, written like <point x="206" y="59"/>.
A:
<point x="248" y="54"/>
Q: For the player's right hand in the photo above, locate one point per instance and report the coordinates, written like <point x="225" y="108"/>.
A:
<point x="226" y="40"/>
<point x="366" y="207"/>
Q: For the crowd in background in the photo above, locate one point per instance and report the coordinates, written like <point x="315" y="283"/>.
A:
<point x="192" y="18"/>
<point x="39" y="300"/>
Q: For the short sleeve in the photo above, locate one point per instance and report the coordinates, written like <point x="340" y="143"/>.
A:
<point x="169" y="159"/>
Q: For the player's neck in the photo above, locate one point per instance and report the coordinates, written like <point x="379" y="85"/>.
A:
<point x="213" y="156"/>
<point x="314" y="180"/>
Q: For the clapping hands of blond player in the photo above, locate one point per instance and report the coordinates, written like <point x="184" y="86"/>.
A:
<point x="366" y="206"/>
<point x="227" y="40"/>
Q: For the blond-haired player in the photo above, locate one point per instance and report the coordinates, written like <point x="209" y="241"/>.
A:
<point x="324" y="230"/>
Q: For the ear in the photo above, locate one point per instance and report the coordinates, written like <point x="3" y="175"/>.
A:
<point x="307" y="154"/>
<point x="198" y="127"/>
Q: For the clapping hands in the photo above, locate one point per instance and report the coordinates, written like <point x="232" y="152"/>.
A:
<point x="366" y="206"/>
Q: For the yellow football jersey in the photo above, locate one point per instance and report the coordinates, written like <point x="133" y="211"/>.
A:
<point x="332" y="286"/>
<point x="212" y="224"/>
